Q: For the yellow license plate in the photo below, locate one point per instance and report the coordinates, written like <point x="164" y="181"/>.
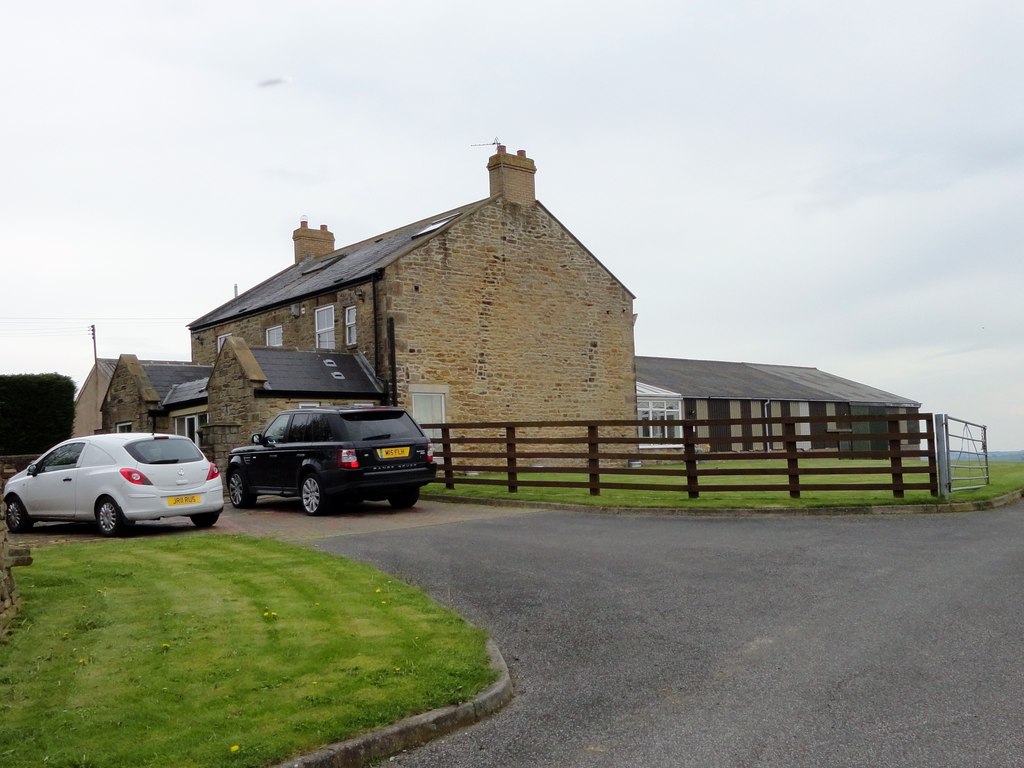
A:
<point x="393" y="453"/>
<point x="177" y="501"/>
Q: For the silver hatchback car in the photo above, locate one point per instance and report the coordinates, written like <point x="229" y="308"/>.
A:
<point x="116" y="480"/>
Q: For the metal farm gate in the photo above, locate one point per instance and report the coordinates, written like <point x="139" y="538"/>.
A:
<point x="962" y="454"/>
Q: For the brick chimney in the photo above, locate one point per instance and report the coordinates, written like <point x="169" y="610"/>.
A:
<point x="312" y="242"/>
<point x="512" y="176"/>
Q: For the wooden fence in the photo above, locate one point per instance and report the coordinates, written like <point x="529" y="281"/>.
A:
<point x="601" y="452"/>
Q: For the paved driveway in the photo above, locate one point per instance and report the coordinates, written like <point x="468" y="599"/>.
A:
<point x="781" y="641"/>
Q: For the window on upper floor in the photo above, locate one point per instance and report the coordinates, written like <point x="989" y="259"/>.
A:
<point x="325" y="327"/>
<point x="221" y="339"/>
<point x="350" y="325"/>
<point x="275" y="336"/>
<point x="123" y="426"/>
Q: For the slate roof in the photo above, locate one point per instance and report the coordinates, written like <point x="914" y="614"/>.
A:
<point x="317" y="372"/>
<point x="351" y="264"/>
<point x="755" y="381"/>
<point x="187" y="392"/>
<point x="165" y="375"/>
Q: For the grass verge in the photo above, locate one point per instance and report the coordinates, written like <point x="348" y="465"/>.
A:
<point x="1005" y="477"/>
<point x="217" y="650"/>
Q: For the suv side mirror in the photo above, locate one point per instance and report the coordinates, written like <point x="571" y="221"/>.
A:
<point x="257" y="439"/>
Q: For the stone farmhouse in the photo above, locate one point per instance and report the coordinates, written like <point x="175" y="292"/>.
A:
<point x="492" y="311"/>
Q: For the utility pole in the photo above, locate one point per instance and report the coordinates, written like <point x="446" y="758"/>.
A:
<point x="96" y="381"/>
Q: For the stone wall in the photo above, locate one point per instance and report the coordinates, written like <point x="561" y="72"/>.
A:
<point x="516" y="317"/>
<point x="130" y="398"/>
<point x="298" y="325"/>
<point x="11" y="556"/>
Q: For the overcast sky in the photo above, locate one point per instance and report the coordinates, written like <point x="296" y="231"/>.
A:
<point x="827" y="184"/>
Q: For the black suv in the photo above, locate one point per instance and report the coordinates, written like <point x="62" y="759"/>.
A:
<point x="349" y="454"/>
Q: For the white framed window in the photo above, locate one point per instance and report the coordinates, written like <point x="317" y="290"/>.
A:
<point x="429" y="408"/>
<point x="350" y="325"/>
<point x="660" y="410"/>
<point x="123" y="426"/>
<point x="309" y="405"/>
<point x="325" y="327"/>
<point x="221" y="339"/>
<point x="275" y="336"/>
<point x="190" y="425"/>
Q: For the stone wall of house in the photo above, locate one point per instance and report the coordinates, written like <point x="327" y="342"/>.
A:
<point x="520" y="322"/>
<point x="130" y="398"/>
<point x="298" y="325"/>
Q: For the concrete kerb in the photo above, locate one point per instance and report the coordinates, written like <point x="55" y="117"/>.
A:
<point x="882" y="509"/>
<point x="416" y="730"/>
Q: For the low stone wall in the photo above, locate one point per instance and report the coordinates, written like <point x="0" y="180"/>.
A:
<point x="10" y="556"/>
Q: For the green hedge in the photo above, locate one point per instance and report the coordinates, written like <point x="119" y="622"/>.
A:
<point x="36" y="411"/>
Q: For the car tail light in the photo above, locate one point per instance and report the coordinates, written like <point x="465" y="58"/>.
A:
<point x="347" y="458"/>
<point x="214" y="473"/>
<point x="134" y="477"/>
<point x="430" y="453"/>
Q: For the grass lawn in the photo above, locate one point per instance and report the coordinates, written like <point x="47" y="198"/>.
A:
<point x="1005" y="478"/>
<point x="201" y="650"/>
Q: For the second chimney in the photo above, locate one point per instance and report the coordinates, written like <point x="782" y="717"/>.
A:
<point x="312" y="242"/>
<point x="512" y="176"/>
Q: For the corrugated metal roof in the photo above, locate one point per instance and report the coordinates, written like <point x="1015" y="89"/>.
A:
<point x="755" y="381"/>
<point x="311" y="372"/>
<point x="350" y="264"/>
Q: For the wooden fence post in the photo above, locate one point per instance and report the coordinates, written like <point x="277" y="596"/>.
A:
<point x="510" y="459"/>
<point x="792" y="458"/>
<point x="690" y="460"/>
<point x="447" y="463"/>
<point x="593" y="460"/>
<point x="896" y="459"/>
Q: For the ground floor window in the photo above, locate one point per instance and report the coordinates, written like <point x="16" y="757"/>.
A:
<point x="429" y="408"/>
<point x="190" y="425"/>
<point x="660" y="410"/>
<point x="123" y="426"/>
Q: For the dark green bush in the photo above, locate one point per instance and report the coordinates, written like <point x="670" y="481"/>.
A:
<point x="36" y="411"/>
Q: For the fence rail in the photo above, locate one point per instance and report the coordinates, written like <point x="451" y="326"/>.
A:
<point x="601" y="452"/>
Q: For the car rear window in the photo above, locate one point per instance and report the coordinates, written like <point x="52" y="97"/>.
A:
<point x="164" y="450"/>
<point x="380" y="425"/>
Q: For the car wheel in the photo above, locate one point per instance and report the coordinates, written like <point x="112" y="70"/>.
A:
<point x="109" y="518"/>
<point x="205" y="519"/>
<point x="312" y="495"/>
<point x="238" y="493"/>
<point x="17" y="518"/>
<point x="405" y="499"/>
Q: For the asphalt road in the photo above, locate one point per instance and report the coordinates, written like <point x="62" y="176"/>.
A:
<point x="779" y="641"/>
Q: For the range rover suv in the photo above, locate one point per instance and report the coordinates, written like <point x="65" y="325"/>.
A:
<point x="334" y="454"/>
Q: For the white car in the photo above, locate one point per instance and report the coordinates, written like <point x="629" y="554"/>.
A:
<point x="116" y="480"/>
